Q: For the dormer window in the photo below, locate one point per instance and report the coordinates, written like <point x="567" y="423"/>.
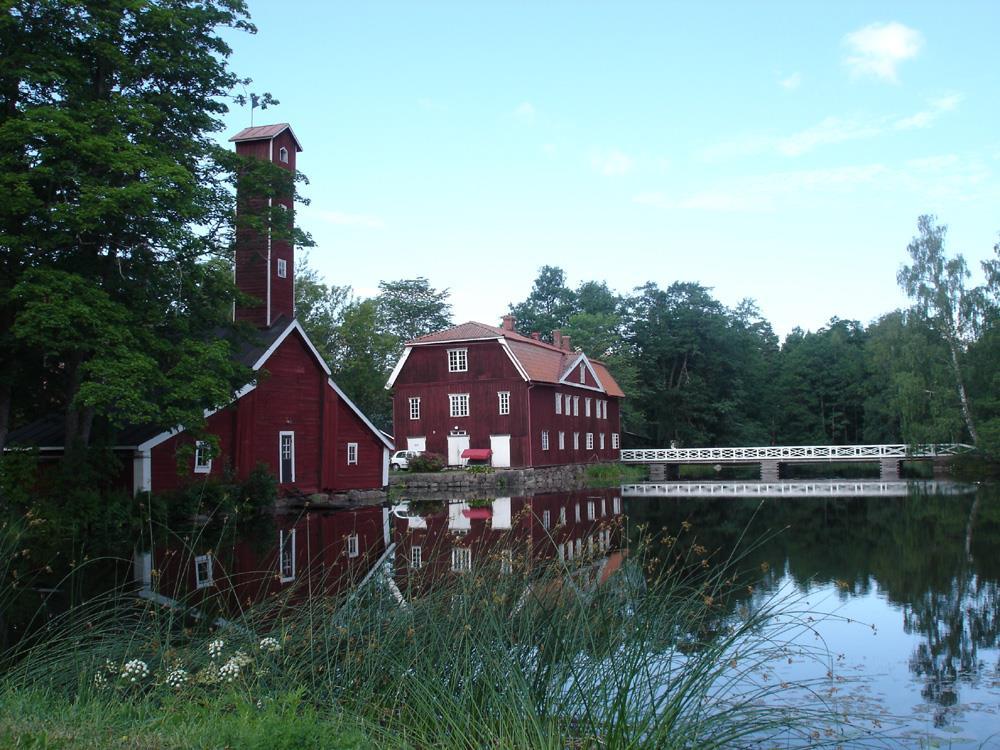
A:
<point x="283" y="155"/>
<point x="458" y="360"/>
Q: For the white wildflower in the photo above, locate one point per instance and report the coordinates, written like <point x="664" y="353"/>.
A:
<point x="100" y="681"/>
<point x="270" y="645"/>
<point x="242" y="658"/>
<point x="177" y="678"/>
<point x="215" y="648"/>
<point x="135" y="670"/>
<point x="230" y="670"/>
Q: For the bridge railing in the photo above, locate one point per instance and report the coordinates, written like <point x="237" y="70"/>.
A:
<point x="792" y="453"/>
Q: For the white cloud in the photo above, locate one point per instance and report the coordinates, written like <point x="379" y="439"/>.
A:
<point x="343" y="218"/>
<point x="525" y="112"/>
<point x="830" y="130"/>
<point x="613" y="163"/>
<point x="792" y="82"/>
<point x="925" y="117"/>
<point x="879" y="48"/>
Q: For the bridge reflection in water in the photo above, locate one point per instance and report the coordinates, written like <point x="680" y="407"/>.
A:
<point x="827" y="488"/>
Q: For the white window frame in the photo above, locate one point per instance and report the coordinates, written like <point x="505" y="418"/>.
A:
<point x="583" y="373"/>
<point x="614" y="440"/>
<point x="546" y="519"/>
<point x="281" y="466"/>
<point x="416" y="557"/>
<point x="579" y="547"/>
<point x="576" y="441"/>
<point x="600" y="440"/>
<point x="461" y="559"/>
<point x="458" y="360"/>
<point x="545" y="440"/>
<point x="414" y="407"/>
<point x="576" y="513"/>
<point x="503" y="402"/>
<point x="283" y="155"/>
<point x="558" y="403"/>
<point x="202" y="450"/>
<point x="286" y="543"/>
<point x="586" y="407"/>
<point x="590" y="441"/>
<point x="576" y="406"/>
<point x="562" y="516"/>
<point x="206" y="580"/>
<point x="282" y="268"/>
<point x="616" y="505"/>
<point x="353" y="545"/>
<point x="591" y="510"/>
<point x="562" y="440"/>
<point x="352" y="454"/>
<point x="569" y="399"/>
<point x="455" y="404"/>
<point x="604" y="507"/>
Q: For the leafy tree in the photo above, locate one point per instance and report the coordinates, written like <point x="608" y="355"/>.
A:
<point x="117" y="195"/>
<point x="320" y="308"/>
<point x="937" y="285"/>
<point x="409" y="308"/>
<point x="364" y="359"/>
<point x="549" y="305"/>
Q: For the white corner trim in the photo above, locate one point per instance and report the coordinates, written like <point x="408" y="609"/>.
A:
<point x="385" y="469"/>
<point x="510" y="354"/>
<point x="398" y="368"/>
<point x="356" y="410"/>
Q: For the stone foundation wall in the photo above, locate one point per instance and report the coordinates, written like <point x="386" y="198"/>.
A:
<point x="499" y="482"/>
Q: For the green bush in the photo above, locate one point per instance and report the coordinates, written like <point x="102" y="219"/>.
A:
<point x="427" y="463"/>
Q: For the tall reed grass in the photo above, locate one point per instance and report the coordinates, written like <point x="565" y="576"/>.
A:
<point x="516" y="653"/>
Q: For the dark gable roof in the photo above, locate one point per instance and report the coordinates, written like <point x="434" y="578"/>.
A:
<point x="265" y="133"/>
<point x="50" y="431"/>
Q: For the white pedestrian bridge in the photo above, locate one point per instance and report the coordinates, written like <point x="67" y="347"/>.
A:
<point x="771" y="457"/>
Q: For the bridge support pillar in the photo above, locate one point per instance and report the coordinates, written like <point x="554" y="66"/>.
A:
<point x="942" y="468"/>
<point x="657" y="472"/>
<point x="889" y="469"/>
<point x="770" y="471"/>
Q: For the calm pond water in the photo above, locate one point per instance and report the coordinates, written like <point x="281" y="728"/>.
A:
<point x="903" y="581"/>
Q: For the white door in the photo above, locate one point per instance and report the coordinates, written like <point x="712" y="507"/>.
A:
<point x="416" y="444"/>
<point x="457" y="444"/>
<point x="500" y="445"/>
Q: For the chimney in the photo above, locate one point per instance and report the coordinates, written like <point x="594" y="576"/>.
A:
<point x="265" y="265"/>
<point x="565" y="344"/>
<point x="557" y="338"/>
<point x="508" y="322"/>
<point x="536" y="335"/>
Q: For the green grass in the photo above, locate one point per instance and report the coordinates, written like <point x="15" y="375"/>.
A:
<point x="543" y="656"/>
<point x="602" y="475"/>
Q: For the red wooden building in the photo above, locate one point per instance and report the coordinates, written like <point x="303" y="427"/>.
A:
<point x="293" y="418"/>
<point x="488" y="392"/>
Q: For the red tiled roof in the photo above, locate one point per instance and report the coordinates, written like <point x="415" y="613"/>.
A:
<point x="265" y="133"/>
<point x="543" y="362"/>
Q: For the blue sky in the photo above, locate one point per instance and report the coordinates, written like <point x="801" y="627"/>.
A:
<point x="779" y="151"/>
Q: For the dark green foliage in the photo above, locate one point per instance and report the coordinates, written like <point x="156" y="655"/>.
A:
<point x="427" y="462"/>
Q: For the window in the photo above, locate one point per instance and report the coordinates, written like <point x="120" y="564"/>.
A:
<point x="286" y="555"/>
<point x="458" y="360"/>
<point x="586" y="407"/>
<point x="506" y="561"/>
<point x="545" y="440"/>
<point x="616" y="505"/>
<point x="352" y="454"/>
<point x="577" y="513"/>
<point x="579" y="547"/>
<point x="604" y="507"/>
<point x="562" y="440"/>
<point x="504" y="398"/>
<point x="562" y="516"/>
<point x="546" y="519"/>
<point x="590" y="441"/>
<point x="604" y="409"/>
<point x="590" y="510"/>
<point x="286" y="456"/>
<point x="416" y="556"/>
<point x="569" y="550"/>
<point x="461" y="558"/>
<point x="458" y="404"/>
<point x="562" y="553"/>
<point x="566" y="410"/>
<point x="558" y="403"/>
<point x="203" y="571"/>
<point x="352" y="545"/>
<point x="283" y="155"/>
<point x="415" y="407"/>
<point x="614" y="440"/>
<point x="576" y="441"/>
<point x="600" y="441"/>
<point x="590" y="545"/>
<point x="282" y="268"/>
<point x="583" y="373"/>
<point x="576" y="406"/>
<point x="202" y="457"/>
